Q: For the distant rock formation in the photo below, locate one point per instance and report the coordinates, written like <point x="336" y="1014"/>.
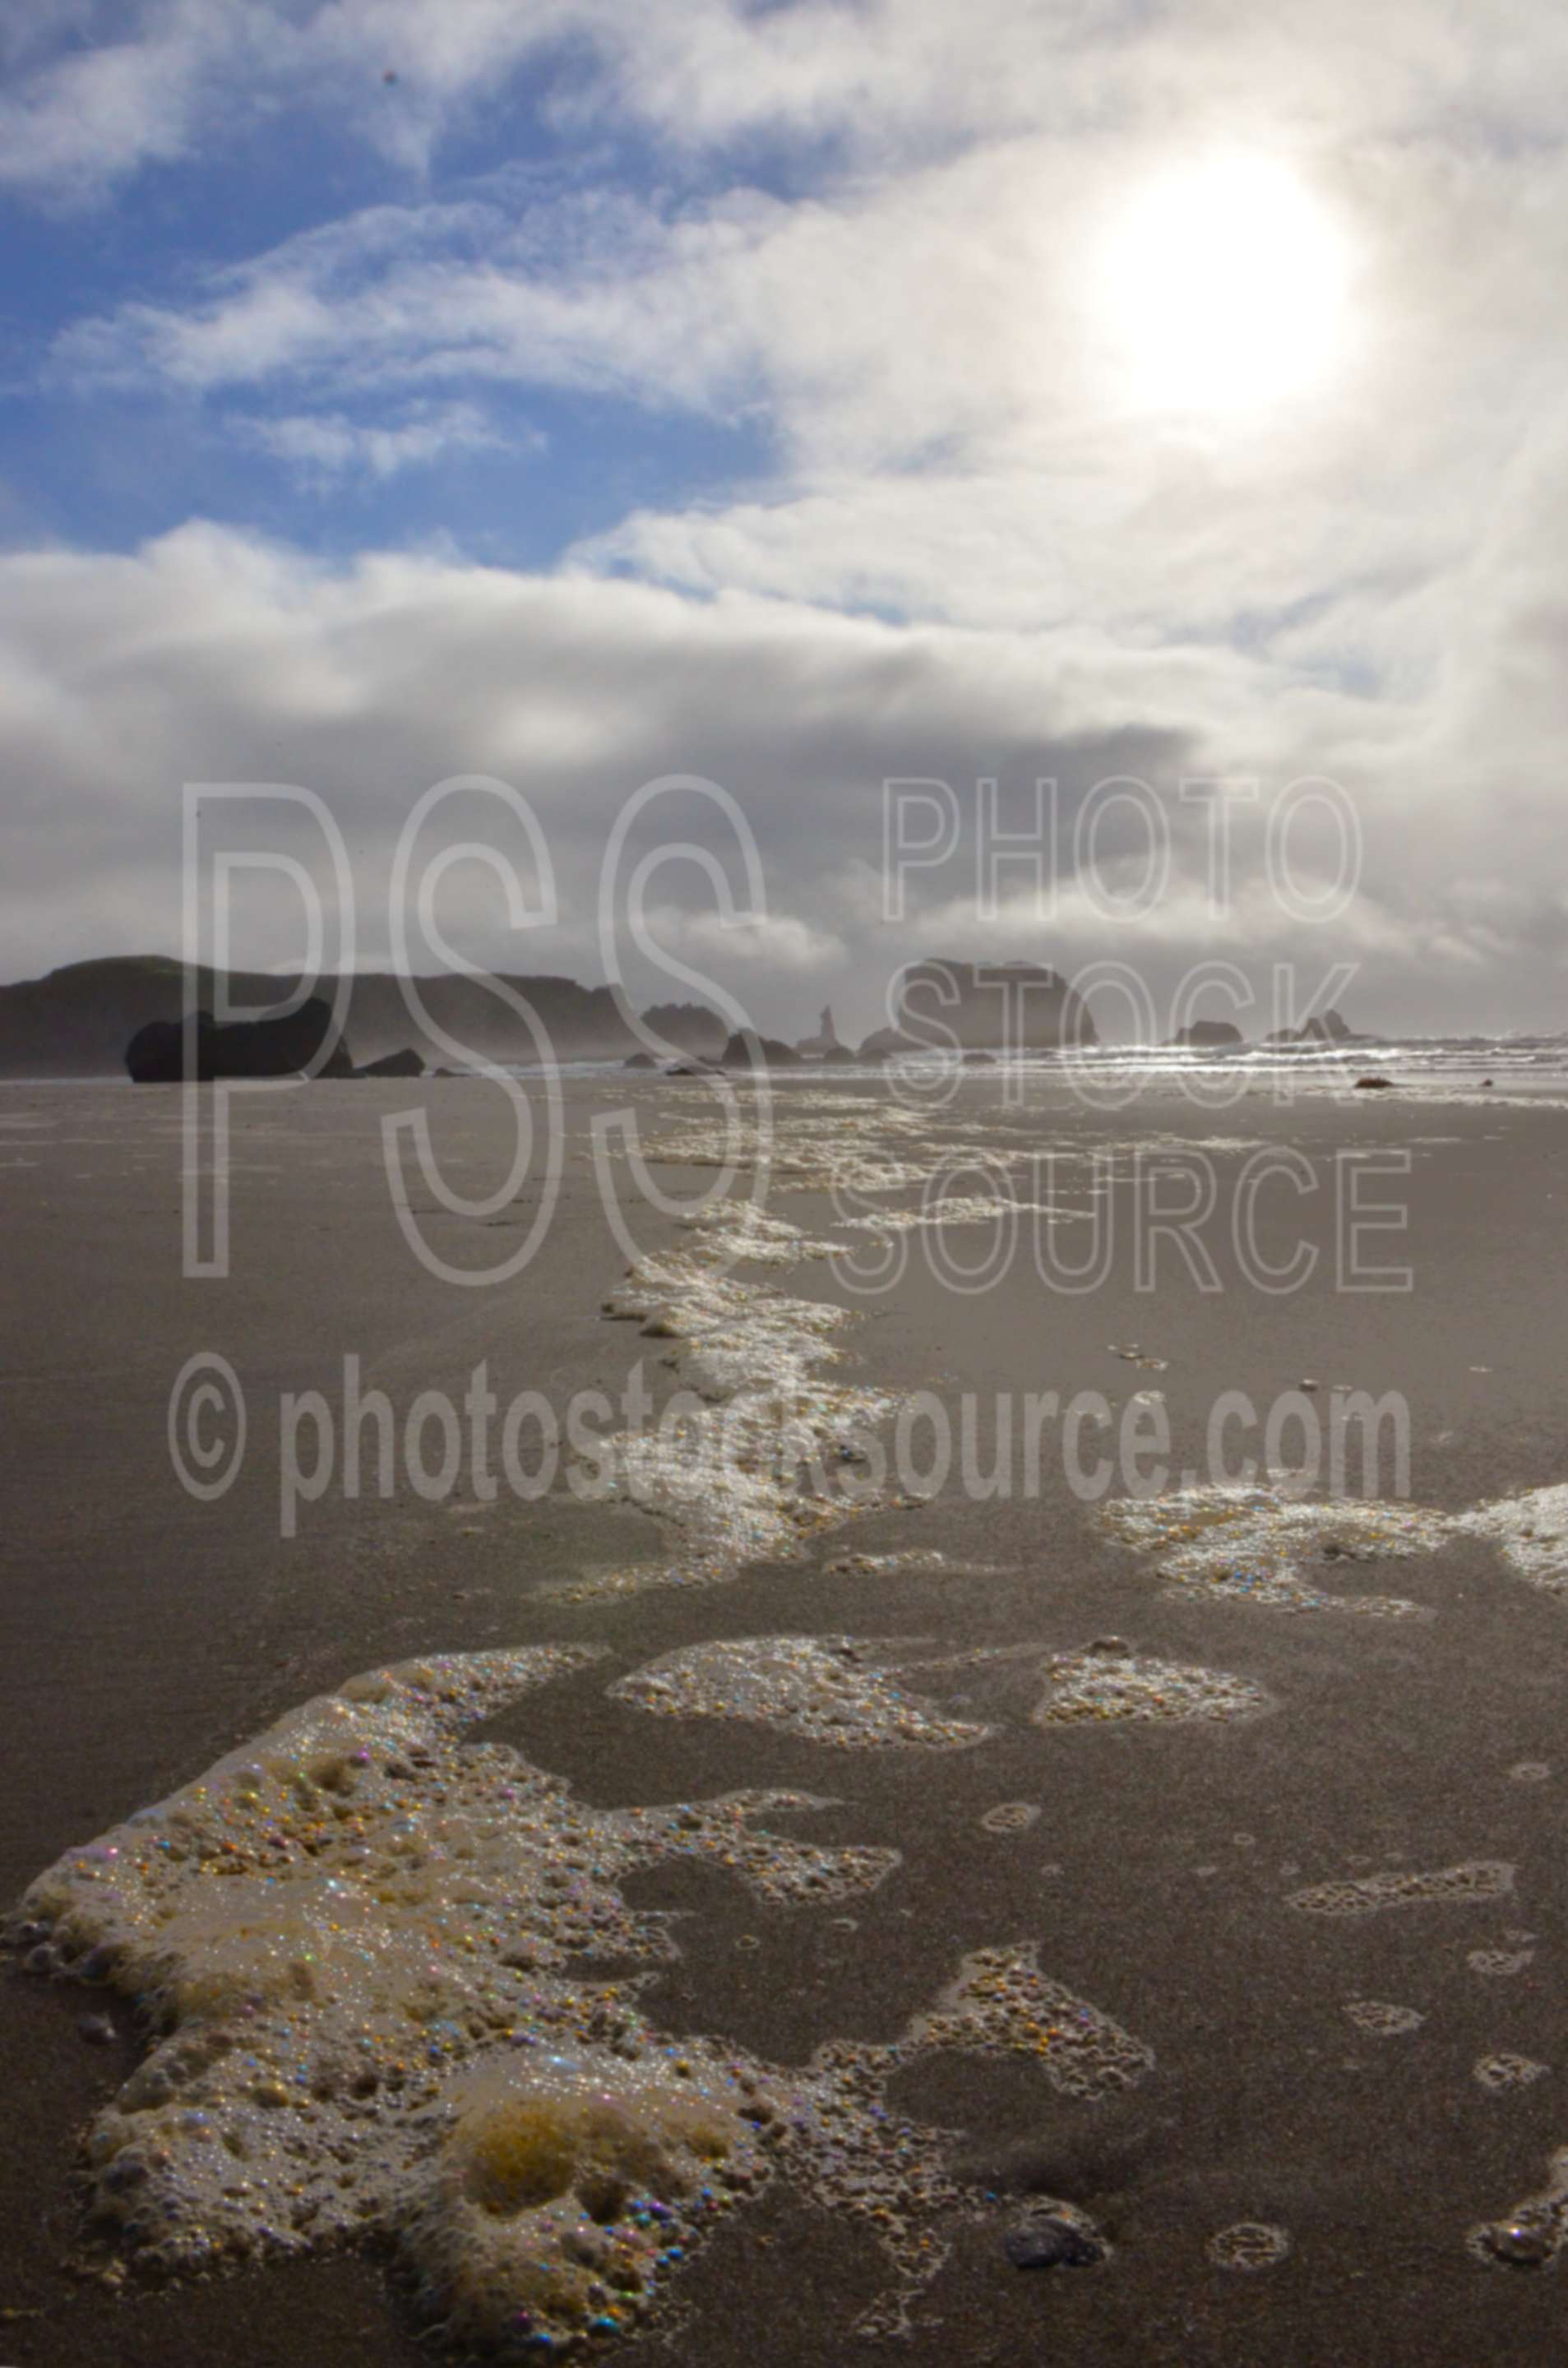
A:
<point x="688" y="1028"/>
<point x="1327" y="1028"/>
<point x="406" y="1064"/>
<point x="1330" y="1029"/>
<point x="247" y="1048"/>
<point x="1207" y="1036"/>
<point x="77" y="1021"/>
<point x="944" y="1006"/>
<point x="747" y="1050"/>
<point x="824" y="1045"/>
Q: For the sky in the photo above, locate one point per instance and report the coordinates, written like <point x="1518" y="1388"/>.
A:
<point x="796" y="396"/>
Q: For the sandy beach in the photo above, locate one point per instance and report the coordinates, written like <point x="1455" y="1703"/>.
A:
<point x="783" y="1160"/>
<point x="1169" y="1870"/>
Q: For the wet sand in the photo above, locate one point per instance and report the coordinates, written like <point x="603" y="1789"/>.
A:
<point x="146" y="1635"/>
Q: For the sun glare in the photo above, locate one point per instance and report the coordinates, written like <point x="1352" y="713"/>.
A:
<point x="1223" y="288"/>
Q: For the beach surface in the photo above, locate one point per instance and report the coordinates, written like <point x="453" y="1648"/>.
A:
<point x="1191" y="1879"/>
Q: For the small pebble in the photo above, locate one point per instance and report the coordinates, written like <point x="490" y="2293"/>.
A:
<point x="1052" y="2244"/>
<point x="98" y="2028"/>
<point x="1520" y="2243"/>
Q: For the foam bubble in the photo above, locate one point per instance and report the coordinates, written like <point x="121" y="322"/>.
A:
<point x="773" y="1459"/>
<point x="1381" y="2021"/>
<point x="857" y="1146"/>
<point x="330" y="1921"/>
<point x="1531" y="2234"/>
<point x="888" y="1565"/>
<point x="1508" y="2071"/>
<point x="1453" y="1885"/>
<point x="731" y="1334"/>
<point x="570" y="2185"/>
<point x="1249" y="2245"/>
<point x="1002" y="2004"/>
<point x="959" y="1209"/>
<point x="854" y="1146"/>
<point x="748" y="1233"/>
<point x="1010" y="1817"/>
<point x="1496" y="1964"/>
<point x="364" y="1950"/>
<point x="1247" y="1544"/>
<point x="832" y="1690"/>
<point x="1096" y="1684"/>
<point x="913" y="1559"/>
<point x="1531" y="1531"/>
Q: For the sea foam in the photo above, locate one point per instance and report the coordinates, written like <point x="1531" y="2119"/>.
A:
<point x="364" y="1949"/>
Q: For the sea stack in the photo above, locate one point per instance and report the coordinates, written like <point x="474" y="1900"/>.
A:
<point x="942" y="1005"/>
<point x="284" y="1047"/>
<point x="824" y="1045"/>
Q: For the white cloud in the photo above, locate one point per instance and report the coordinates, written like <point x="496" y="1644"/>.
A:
<point x="925" y="348"/>
<point x="598" y="292"/>
<point x="1364" y="584"/>
<point x="100" y="95"/>
<point x="212" y="656"/>
<point x="330" y="445"/>
<point x="773" y="944"/>
<point x="102" y="91"/>
<point x="95" y="111"/>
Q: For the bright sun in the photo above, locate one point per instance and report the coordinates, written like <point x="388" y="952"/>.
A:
<point x="1223" y="288"/>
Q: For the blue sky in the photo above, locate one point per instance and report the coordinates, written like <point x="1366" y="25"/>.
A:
<point x="797" y="396"/>
<point x="512" y="473"/>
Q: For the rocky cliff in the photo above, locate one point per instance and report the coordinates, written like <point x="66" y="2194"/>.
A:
<point x="78" y="1021"/>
